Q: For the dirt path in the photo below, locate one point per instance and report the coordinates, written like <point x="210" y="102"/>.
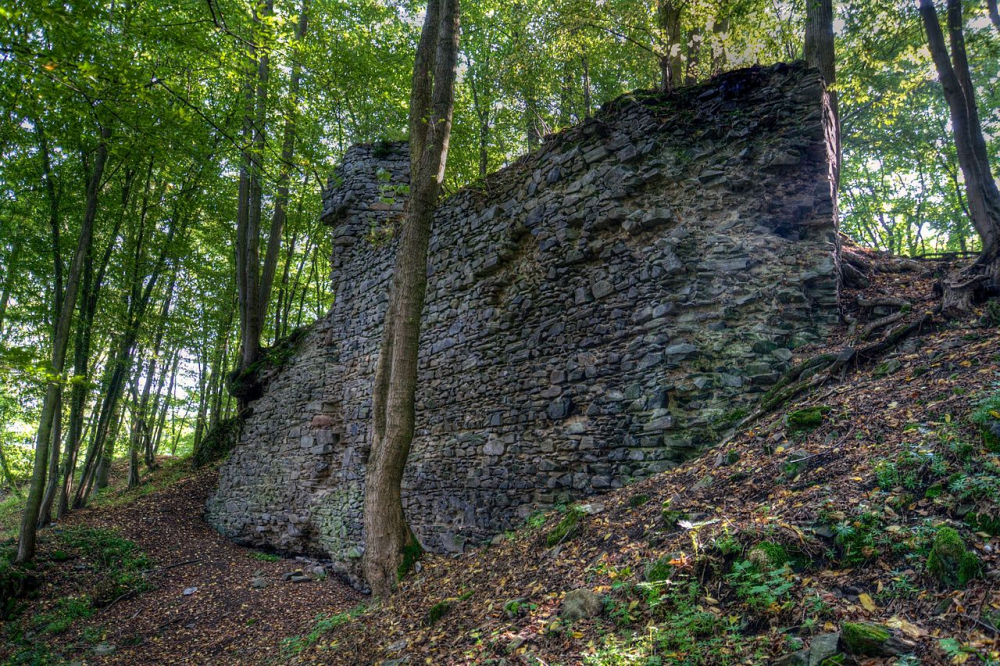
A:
<point x="226" y="620"/>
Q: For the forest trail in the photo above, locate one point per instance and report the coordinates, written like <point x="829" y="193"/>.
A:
<point x="226" y="620"/>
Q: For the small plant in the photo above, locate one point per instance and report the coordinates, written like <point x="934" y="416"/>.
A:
<point x="635" y="501"/>
<point x="987" y="417"/>
<point x="762" y="591"/>
<point x="265" y="557"/>
<point x="324" y="624"/>
<point x="858" y="539"/>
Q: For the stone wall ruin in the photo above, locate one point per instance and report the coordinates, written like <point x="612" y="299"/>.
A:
<point x="596" y="313"/>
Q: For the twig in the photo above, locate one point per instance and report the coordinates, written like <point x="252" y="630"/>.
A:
<point x="169" y="566"/>
<point x="982" y="624"/>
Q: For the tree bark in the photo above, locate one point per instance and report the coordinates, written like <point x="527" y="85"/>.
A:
<point x="819" y="52"/>
<point x="960" y="289"/>
<point x="387" y="534"/>
<point x="29" y="523"/>
<point x="8" y="282"/>
<point x="668" y="20"/>
<point x="991" y="6"/>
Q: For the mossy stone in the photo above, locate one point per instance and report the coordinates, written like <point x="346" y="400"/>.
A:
<point x="436" y="612"/>
<point x="768" y="556"/>
<point x="806" y="419"/>
<point x="949" y="561"/>
<point x="863" y="638"/>
<point x="567" y="528"/>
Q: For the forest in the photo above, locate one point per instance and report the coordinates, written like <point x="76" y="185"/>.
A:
<point x="163" y="163"/>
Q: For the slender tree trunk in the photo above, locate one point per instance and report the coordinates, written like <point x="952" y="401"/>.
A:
<point x="981" y="189"/>
<point x="720" y="31"/>
<point x="8" y="282"/>
<point x="991" y="6"/>
<point x="52" y="483"/>
<point x="29" y="523"/>
<point x="668" y="20"/>
<point x="693" y="57"/>
<point x="387" y="534"/>
<point x="165" y="406"/>
<point x="588" y="104"/>
<point x="819" y="53"/>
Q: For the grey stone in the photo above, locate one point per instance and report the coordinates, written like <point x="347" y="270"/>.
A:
<point x="594" y="282"/>
<point x="580" y="604"/>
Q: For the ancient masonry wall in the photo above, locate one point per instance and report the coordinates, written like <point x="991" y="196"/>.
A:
<point x="596" y="313"/>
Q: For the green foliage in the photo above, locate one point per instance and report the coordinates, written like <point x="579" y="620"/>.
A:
<point x="987" y="416"/>
<point x="761" y="590"/>
<point x="66" y="611"/>
<point x="859" y="538"/>
<point x="265" y="557"/>
<point x="119" y="561"/>
<point x="635" y="501"/>
<point x="19" y="460"/>
<point x="322" y="626"/>
<point x="691" y="635"/>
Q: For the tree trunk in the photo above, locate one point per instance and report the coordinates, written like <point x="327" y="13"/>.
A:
<point x="991" y="6"/>
<point x="693" y="57"/>
<point x="668" y="20"/>
<point x="8" y="282"/>
<point x="819" y="53"/>
<point x="29" y="523"/>
<point x="387" y="535"/>
<point x="961" y="289"/>
<point x="588" y="103"/>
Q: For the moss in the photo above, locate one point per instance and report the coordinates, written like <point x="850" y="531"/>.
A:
<point x="806" y="419"/>
<point x="412" y="551"/>
<point x="769" y="556"/>
<point x="949" y="561"/>
<point x="969" y="568"/>
<point x="436" y="612"/>
<point x="659" y="570"/>
<point x="218" y="441"/>
<point x="567" y="528"/>
<point x="863" y="638"/>
<point x="637" y="500"/>
<point x="984" y="522"/>
<point x="246" y="383"/>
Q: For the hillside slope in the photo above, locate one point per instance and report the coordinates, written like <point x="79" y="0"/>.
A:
<point x="817" y="516"/>
<point x="841" y="506"/>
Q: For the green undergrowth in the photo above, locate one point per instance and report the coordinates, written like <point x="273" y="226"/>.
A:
<point x="112" y="566"/>
<point x="323" y="626"/>
<point x="167" y="474"/>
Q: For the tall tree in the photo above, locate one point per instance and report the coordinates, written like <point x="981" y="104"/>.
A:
<point x="819" y="53"/>
<point x="60" y="340"/>
<point x="387" y="534"/>
<point x="981" y="189"/>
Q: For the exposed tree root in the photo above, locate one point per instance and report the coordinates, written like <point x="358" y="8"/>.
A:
<point x="819" y="369"/>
